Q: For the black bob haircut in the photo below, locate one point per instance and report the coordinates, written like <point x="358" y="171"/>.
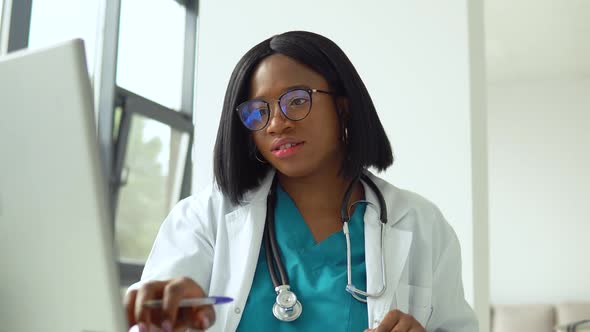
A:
<point x="235" y="166"/>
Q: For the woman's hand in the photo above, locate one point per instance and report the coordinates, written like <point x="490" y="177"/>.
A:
<point x="169" y="317"/>
<point x="397" y="321"/>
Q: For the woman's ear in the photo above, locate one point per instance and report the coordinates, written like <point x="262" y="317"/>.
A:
<point x="343" y="116"/>
<point x="342" y="106"/>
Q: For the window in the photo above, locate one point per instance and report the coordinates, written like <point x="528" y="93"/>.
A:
<point x="1" y="14"/>
<point x="54" y="21"/>
<point x="151" y="49"/>
<point x="152" y="130"/>
<point x="154" y="165"/>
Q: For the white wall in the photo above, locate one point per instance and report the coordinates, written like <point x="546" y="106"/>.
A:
<point x="413" y="57"/>
<point x="539" y="168"/>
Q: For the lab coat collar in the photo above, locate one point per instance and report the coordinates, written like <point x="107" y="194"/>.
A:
<point x="397" y="207"/>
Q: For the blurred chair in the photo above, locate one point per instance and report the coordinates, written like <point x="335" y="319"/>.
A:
<point x="539" y="317"/>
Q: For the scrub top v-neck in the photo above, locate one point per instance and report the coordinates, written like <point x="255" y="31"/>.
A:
<point x="317" y="275"/>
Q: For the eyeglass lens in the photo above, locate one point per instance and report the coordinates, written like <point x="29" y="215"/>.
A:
<point x="294" y="104"/>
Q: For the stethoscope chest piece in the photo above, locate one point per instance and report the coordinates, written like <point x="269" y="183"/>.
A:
<point x="286" y="308"/>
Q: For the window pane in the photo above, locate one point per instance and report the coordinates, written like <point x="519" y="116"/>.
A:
<point x="54" y="21"/>
<point x="154" y="166"/>
<point x="151" y="49"/>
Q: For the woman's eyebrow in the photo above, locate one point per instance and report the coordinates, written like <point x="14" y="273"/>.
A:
<point x="293" y="87"/>
<point x="284" y="90"/>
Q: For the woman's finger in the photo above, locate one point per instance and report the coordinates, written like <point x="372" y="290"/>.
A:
<point x="389" y="321"/>
<point x="148" y="291"/>
<point x="130" y="307"/>
<point x="205" y="317"/>
<point x="174" y="292"/>
<point x="199" y="318"/>
<point x="418" y="328"/>
<point x="404" y="324"/>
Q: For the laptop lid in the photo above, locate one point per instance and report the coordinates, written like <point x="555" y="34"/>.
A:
<point x="57" y="262"/>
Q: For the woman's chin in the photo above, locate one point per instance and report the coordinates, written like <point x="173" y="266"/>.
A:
<point x="293" y="170"/>
<point x="304" y="167"/>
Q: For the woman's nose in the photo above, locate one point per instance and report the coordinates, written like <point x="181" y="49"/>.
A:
<point x="278" y="122"/>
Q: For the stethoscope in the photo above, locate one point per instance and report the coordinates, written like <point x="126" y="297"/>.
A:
<point x="287" y="307"/>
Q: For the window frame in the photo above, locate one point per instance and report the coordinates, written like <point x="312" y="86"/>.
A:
<point x="16" y="23"/>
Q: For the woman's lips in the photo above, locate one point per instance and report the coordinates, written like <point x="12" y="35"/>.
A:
<point x="287" y="150"/>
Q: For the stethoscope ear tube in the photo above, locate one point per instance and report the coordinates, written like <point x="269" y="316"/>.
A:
<point x="380" y="198"/>
<point x="344" y="215"/>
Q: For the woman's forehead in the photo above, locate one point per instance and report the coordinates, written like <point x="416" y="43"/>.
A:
<point x="277" y="73"/>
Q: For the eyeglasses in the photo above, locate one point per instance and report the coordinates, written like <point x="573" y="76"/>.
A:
<point x="295" y="105"/>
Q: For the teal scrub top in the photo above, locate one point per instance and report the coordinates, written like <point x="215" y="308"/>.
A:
<point x="317" y="275"/>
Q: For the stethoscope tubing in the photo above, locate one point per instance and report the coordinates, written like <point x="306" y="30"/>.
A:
<point x="270" y="243"/>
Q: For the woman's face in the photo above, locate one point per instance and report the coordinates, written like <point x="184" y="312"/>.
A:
<point x="297" y="148"/>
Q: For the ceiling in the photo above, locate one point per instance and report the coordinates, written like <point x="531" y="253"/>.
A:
<point x="537" y="39"/>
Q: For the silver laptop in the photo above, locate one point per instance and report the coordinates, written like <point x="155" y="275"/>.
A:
<point x="57" y="263"/>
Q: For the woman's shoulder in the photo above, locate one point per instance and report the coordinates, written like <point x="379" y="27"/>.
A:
<point x="406" y="206"/>
<point x="413" y="212"/>
<point x="211" y="200"/>
<point x="403" y="199"/>
<point x="207" y="199"/>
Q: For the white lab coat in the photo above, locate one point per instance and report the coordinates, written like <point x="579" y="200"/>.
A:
<point x="217" y="244"/>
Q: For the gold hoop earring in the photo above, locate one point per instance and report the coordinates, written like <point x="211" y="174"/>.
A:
<point x="256" y="156"/>
<point x="345" y="136"/>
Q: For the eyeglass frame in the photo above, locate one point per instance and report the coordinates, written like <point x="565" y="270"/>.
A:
<point x="309" y="91"/>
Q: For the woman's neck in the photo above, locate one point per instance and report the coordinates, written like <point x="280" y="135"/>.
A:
<point x="319" y="199"/>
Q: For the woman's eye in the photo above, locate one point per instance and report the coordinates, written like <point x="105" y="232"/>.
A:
<point x="262" y="111"/>
<point x="298" y="101"/>
<point x="256" y="115"/>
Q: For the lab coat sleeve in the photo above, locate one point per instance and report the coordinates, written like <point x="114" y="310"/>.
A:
<point x="450" y="310"/>
<point x="184" y="245"/>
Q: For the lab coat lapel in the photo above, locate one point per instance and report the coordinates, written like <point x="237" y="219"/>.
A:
<point x="396" y="249"/>
<point x="245" y="227"/>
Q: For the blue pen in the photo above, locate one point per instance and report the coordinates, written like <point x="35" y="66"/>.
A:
<point x="192" y="302"/>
